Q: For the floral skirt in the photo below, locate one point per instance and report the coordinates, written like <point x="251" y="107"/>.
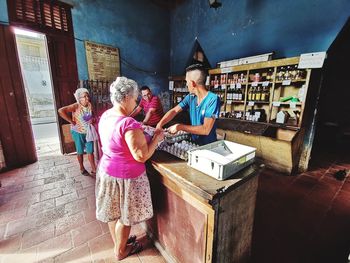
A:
<point x="127" y="200"/>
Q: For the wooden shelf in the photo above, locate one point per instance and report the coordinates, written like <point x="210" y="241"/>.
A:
<point x="292" y="81"/>
<point x="261" y="82"/>
<point x="218" y="91"/>
<point x="289" y="125"/>
<point x="258" y="102"/>
<point x="275" y="87"/>
<point x="236" y="101"/>
<point x="286" y="103"/>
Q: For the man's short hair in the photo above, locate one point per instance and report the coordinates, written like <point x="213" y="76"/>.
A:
<point x="145" y="88"/>
<point x="203" y="72"/>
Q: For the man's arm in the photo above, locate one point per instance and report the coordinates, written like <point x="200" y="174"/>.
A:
<point x="169" y="116"/>
<point x="135" y="111"/>
<point x="198" y="129"/>
<point x="148" y="115"/>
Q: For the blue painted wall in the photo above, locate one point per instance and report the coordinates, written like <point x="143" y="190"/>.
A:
<point x="248" y="27"/>
<point x="3" y="12"/>
<point x="239" y="28"/>
<point x="138" y="28"/>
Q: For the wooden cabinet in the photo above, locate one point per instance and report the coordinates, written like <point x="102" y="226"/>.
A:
<point x="270" y="106"/>
<point x="198" y="218"/>
<point x="179" y="89"/>
<point x="258" y="92"/>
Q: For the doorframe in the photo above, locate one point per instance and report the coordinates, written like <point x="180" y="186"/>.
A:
<point x="53" y="90"/>
<point x="60" y="39"/>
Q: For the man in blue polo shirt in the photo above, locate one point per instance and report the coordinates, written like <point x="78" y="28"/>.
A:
<point x="203" y="107"/>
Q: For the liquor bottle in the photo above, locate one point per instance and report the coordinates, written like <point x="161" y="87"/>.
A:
<point x="258" y="94"/>
<point x="253" y="94"/>
<point x="242" y="78"/>
<point x="287" y="73"/>
<point x="269" y="76"/>
<point x="233" y="94"/>
<point x="250" y="94"/>
<point x="293" y="72"/>
<point x="281" y="74"/>
<point x="267" y="96"/>
<point x="263" y="94"/>
<point x="240" y="95"/>
<point x="216" y="82"/>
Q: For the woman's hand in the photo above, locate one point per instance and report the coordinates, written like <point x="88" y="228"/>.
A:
<point x="158" y="135"/>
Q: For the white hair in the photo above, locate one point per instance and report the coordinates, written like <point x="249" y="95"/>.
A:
<point x="121" y="88"/>
<point x="79" y="92"/>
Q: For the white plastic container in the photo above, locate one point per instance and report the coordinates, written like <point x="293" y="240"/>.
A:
<point x="221" y="159"/>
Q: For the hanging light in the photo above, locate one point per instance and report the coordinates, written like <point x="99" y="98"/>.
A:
<point x="214" y="3"/>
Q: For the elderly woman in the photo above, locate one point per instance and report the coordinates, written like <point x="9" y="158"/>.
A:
<point x="123" y="195"/>
<point x="79" y="115"/>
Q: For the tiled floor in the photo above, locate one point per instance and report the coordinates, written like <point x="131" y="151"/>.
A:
<point x="304" y="218"/>
<point x="47" y="215"/>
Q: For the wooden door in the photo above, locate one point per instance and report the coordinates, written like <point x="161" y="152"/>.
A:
<point x="15" y="128"/>
<point x="65" y="80"/>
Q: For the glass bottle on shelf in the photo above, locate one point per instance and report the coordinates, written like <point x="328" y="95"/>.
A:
<point x="280" y="74"/>
<point x="235" y="78"/>
<point x="250" y="94"/>
<point x="293" y="72"/>
<point x="216" y="82"/>
<point x="287" y="73"/>
<point x="269" y="76"/>
<point x="257" y="94"/>
<point x="253" y="94"/>
<point x="242" y="78"/>
<point x="267" y="94"/>
<point x="256" y="77"/>
<point x="240" y="95"/>
<point x="263" y="94"/>
<point x="235" y="94"/>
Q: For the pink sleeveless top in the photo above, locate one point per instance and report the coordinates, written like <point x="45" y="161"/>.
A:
<point x="117" y="159"/>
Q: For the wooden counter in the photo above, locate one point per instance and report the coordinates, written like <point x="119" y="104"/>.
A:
<point x="198" y="218"/>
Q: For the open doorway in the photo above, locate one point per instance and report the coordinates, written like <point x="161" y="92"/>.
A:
<point x="36" y="74"/>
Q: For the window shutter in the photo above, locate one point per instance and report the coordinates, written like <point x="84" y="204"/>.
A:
<point x="44" y="14"/>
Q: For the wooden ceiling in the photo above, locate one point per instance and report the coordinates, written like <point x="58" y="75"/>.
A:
<point x="168" y="4"/>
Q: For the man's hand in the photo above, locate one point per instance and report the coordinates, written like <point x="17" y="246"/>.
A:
<point x="174" y="128"/>
<point x="159" y="127"/>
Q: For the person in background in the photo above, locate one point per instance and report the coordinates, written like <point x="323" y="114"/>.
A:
<point x="151" y="106"/>
<point x="80" y="115"/>
<point x="123" y="196"/>
<point x="203" y="107"/>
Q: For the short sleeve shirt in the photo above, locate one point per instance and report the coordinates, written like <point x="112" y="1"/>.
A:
<point x="155" y="104"/>
<point x="208" y="108"/>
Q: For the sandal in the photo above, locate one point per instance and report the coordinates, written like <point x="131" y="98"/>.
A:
<point x="131" y="239"/>
<point x="84" y="172"/>
<point x="136" y="248"/>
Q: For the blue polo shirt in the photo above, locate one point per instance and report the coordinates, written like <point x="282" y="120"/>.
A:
<point x="209" y="108"/>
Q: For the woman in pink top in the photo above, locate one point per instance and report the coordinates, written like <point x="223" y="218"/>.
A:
<point x="123" y="196"/>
